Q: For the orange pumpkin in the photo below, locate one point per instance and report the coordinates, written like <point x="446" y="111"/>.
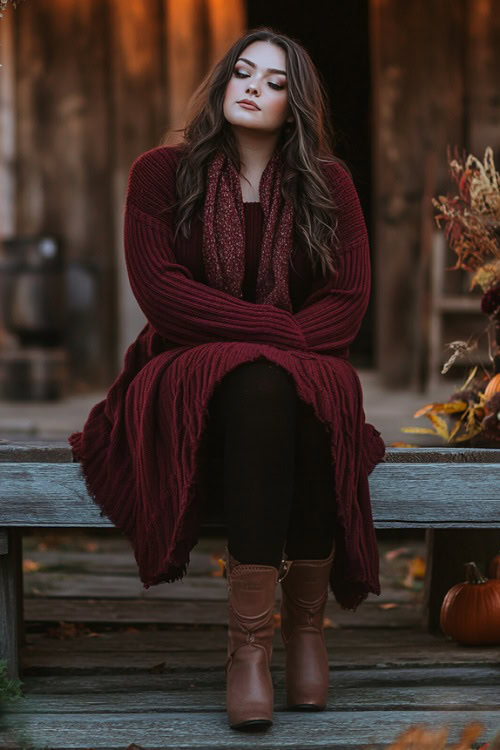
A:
<point x="470" y="612"/>
<point x="493" y="386"/>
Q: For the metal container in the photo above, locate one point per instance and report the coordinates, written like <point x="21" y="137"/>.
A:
<point x="32" y="289"/>
<point x="33" y="374"/>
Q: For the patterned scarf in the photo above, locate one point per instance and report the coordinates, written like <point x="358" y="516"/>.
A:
<point x="224" y="232"/>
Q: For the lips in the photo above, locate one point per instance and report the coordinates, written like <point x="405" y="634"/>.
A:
<point x="248" y="103"/>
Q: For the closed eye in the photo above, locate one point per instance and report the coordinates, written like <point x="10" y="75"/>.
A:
<point x="239" y="74"/>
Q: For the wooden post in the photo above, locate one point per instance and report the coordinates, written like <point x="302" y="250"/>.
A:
<point x="11" y="599"/>
<point x="447" y="551"/>
<point x="482" y="64"/>
<point x="417" y="83"/>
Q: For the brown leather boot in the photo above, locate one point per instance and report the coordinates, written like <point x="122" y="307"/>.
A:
<point x="304" y="589"/>
<point x="249" y="687"/>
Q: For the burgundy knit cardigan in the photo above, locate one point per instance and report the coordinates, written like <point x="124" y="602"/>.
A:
<point x="140" y="448"/>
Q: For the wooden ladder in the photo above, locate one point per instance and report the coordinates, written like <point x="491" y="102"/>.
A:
<point x="443" y="304"/>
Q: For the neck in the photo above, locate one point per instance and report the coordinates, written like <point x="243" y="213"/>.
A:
<point x="255" y="149"/>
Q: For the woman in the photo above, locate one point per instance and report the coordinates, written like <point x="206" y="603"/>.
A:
<point x="247" y="251"/>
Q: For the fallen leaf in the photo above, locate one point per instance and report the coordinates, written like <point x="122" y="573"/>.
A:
<point x="30" y="565"/>
<point x="399" y="444"/>
<point x="393" y="553"/>
<point x="158" y="668"/>
<point x="90" y="546"/>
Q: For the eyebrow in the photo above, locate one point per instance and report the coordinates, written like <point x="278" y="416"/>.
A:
<point x="269" y="70"/>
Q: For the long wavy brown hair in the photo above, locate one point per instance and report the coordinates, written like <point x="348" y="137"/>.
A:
<point x="305" y="144"/>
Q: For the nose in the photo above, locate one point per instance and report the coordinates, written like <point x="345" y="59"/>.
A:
<point x="251" y="89"/>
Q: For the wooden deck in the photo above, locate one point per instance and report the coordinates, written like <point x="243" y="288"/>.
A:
<point x="107" y="664"/>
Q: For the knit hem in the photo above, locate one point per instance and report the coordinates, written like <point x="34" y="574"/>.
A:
<point x="92" y="468"/>
<point x="350" y="594"/>
<point x="101" y="445"/>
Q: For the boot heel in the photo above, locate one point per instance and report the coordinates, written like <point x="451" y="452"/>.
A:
<point x="304" y="597"/>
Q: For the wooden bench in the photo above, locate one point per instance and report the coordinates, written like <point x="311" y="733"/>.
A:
<point x="453" y="493"/>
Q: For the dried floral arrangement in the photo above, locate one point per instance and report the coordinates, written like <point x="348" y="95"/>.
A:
<point x="472" y="230"/>
<point x="419" y="737"/>
<point x="4" y="3"/>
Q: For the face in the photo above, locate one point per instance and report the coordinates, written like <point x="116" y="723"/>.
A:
<point x="252" y="80"/>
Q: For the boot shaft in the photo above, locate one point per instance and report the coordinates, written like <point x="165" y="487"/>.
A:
<point x="305" y="594"/>
<point x="251" y="598"/>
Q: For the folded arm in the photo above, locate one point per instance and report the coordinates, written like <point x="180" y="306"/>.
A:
<point x="186" y="311"/>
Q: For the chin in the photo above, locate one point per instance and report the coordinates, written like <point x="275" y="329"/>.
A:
<point x="243" y="123"/>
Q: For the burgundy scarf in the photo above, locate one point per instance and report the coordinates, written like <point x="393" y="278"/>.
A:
<point x="224" y="232"/>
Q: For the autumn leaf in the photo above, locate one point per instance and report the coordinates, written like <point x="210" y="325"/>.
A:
<point x="399" y="444"/>
<point x="440" y="425"/>
<point x="220" y="563"/>
<point x="419" y="430"/>
<point x="30" y="565"/>
<point x="448" y="407"/>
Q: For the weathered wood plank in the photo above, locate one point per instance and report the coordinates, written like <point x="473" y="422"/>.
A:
<point x="343" y="695"/>
<point x="46" y="452"/>
<point x="192" y="612"/>
<point x="446" y="454"/>
<point x="414" y="495"/>
<point x="121" y="563"/>
<point x="348" y="647"/>
<point x="52" y="687"/>
<point x="72" y="585"/>
<point x="63" y="572"/>
<point x="59" y="451"/>
<point x="325" y="729"/>
<point x="35" y="662"/>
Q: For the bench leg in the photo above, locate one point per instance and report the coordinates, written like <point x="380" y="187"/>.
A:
<point x="447" y="551"/>
<point x="11" y="599"/>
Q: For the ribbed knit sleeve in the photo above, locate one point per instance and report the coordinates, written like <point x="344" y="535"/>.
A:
<point x="180" y="309"/>
<point x="333" y="321"/>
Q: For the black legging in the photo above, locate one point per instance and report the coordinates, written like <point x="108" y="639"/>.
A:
<point x="276" y="469"/>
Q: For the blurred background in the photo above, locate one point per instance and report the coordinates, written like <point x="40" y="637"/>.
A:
<point x="87" y="87"/>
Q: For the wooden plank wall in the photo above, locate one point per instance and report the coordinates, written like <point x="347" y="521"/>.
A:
<point x="137" y="107"/>
<point x="97" y="84"/>
<point x="63" y="158"/>
<point x="435" y="82"/>
<point x="7" y="138"/>
<point x="198" y="33"/>
<point x="417" y="78"/>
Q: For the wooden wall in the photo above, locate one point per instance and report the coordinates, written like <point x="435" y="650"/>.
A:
<point x="435" y="80"/>
<point x="96" y="84"/>
<point x="87" y="87"/>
